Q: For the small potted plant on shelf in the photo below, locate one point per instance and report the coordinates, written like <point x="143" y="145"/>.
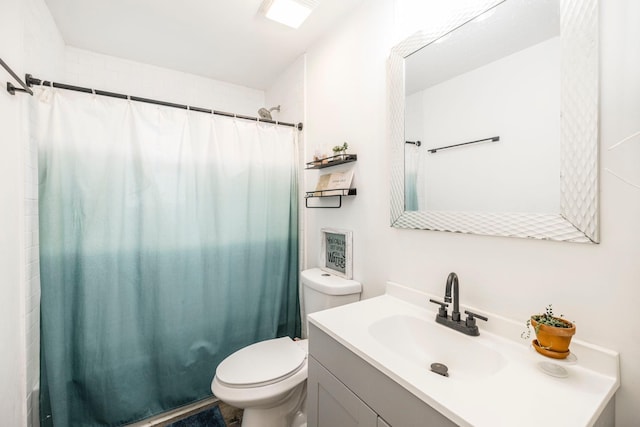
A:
<point x="553" y="334"/>
<point x="340" y="151"/>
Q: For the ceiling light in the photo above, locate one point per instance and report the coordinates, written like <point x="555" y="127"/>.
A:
<point x="288" y="12"/>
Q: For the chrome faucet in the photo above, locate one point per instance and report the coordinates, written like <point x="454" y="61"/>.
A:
<point x="469" y="326"/>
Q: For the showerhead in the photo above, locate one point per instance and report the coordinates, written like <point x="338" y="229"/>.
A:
<point x="266" y="114"/>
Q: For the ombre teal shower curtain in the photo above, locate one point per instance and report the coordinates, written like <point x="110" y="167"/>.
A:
<point x="411" y="165"/>
<point x="168" y="240"/>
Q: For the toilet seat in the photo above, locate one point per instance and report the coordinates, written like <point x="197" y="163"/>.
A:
<point x="262" y="364"/>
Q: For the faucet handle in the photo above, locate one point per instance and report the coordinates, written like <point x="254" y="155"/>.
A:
<point x="442" y="311"/>
<point x="471" y="318"/>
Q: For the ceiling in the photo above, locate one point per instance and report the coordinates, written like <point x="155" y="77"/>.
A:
<point x="221" y="39"/>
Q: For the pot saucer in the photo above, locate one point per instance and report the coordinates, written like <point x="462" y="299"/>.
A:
<point x="549" y="353"/>
<point x="571" y="359"/>
<point x="552" y="369"/>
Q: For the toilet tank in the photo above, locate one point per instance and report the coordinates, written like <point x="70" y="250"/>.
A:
<point x="321" y="290"/>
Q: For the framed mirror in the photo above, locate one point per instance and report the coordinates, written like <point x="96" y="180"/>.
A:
<point x="494" y="122"/>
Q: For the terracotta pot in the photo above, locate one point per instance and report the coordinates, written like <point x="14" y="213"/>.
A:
<point x="552" y="338"/>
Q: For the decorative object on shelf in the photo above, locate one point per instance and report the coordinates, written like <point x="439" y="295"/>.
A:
<point x="320" y="163"/>
<point x="336" y="181"/>
<point x="553" y="334"/>
<point x="339" y="151"/>
<point x="334" y="185"/>
<point x="319" y="159"/>
<point x="337" y="252"/>
<point x="322" y="185"/>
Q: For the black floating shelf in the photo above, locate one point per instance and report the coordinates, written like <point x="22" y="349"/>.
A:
<point x="332" y="161"/>
<point x="328" y="193"/>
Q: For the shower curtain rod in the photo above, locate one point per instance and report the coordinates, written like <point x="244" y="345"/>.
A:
<point x="10" y="87"/>
<point x="33" y="81"/>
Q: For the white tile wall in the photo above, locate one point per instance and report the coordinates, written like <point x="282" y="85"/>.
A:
<point x="13" y="407"/>
<point x="32" y="34"/>
<point x="43" y="50"/>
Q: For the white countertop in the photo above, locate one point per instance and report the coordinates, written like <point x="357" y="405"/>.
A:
<point x="516" y="395"/>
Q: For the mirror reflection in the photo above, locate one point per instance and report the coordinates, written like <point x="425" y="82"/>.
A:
<point x="488" y="93"/>
<point x="497" y="80"/>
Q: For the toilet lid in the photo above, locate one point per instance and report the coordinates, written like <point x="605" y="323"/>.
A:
<point x="262" y="363"/>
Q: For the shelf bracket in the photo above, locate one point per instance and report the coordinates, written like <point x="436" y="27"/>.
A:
<point x="339" y="196"/>
<point x="320" y="195"/>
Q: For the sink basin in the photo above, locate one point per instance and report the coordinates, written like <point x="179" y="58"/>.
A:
<point x="424" y="342"/>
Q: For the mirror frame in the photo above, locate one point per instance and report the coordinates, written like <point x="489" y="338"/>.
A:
<point x="578" y="218"/>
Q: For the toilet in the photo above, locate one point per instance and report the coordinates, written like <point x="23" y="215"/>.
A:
<point x="268" y="379"/>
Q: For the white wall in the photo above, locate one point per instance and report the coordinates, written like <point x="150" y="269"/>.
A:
<point x="104" y="72"/>
<point x="346" y="101"/>
<point x="515" y="98"/>
<point x="413" y="117"/>
<point x="288" y="91"/>
<point x="598" y="286"/>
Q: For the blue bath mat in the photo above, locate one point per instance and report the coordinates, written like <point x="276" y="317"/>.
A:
<point x="210" y="417"/>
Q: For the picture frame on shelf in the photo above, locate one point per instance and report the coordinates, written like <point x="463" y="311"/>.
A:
<point x="333" y="184"/>
<point x="337" y="252"/>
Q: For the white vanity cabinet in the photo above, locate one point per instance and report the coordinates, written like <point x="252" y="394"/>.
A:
<point x="344" y="390"/>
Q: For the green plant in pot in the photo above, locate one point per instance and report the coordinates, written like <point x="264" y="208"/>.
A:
<point x="340" y="150"/>
<point x="553" y="334"/>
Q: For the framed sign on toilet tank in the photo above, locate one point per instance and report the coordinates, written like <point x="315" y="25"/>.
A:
<point x="337" y="252"/>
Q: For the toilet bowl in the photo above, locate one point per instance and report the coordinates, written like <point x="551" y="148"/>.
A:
<point x="268" y="379"/>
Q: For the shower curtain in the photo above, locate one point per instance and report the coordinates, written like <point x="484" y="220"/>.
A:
<point x="412" y="163"/>
<point x="168" y="240"/>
